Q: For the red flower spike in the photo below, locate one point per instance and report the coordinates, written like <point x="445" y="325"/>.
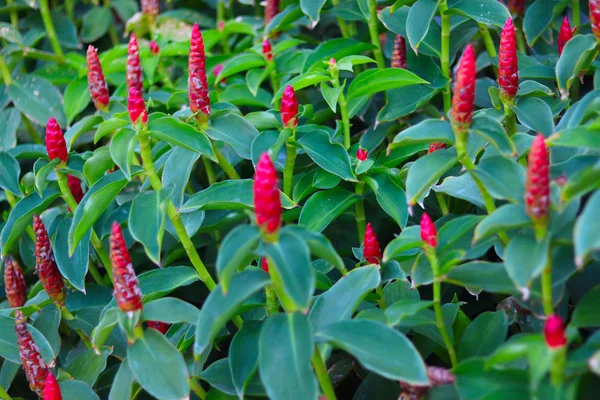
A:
<point x="399" y="53"/>
<point x="508" y="67"/>
<point x="14" y="283"/>
<point x="133" y="74"/>
<point x="33" y="364"/>
<point x="127" y="288"/>
<point x="516" y="7"/>
<point x="464" y="93"/>
<point x="162" y="327"/>
<point x="154" y="48"/>
<point x="150" y="8"/>
<point x="197" y="85"/>
<point x="371" y="249"/>
<point x="55" y="141"/>
<point x="565" y="34"/>
<point x="428" y="232"/>
<point x="267" y="200"/>
<point x="267" y="50"/>
<point x="289" y="108"/>
<point x="137" y="107"/>
<point x="51" y="388"/>
<point x="361" y="154"/>
<point x="436" y="146"/>
<point x="96" y="81"/>
<point x="554" y="332"/>
<point x="595" y="18"/>
<point x="264" y="264"/>
<point x="46" y="266"/>
<point x="271" y="10"/>
<point x="75" y="186"/>
<point x="537" y="186"/>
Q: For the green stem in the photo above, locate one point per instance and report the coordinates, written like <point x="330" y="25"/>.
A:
<point x="14" y="15"/>
<point x="272" y="303"/>
<point x="197" y="389"/>
<point x="335" y="81"/>
<point x="210" y="173"/>
<point x="547" y="285"/>
<point x="290" y="162"/>
<point x="359" y="211"/>
<point x="576" y="14"/>
<point x="445" y="56"/>
<point x="70" y="6"/>
<point x="221" y="19"/>
<point x="510" y="120"/>
<point x="322" y="375"/>
<point x="437" y="305"/>
<point x="225" y="165"/>
<point x="4" y="71"/>
<point x="40" y="55"/>
<point x="50" y="31"/>
<point x="342" y="23"/>
<point x="273" y="79"/>
<point x="381" y="302"/>
<point x="3" y="394"/>
<point x="557" y="369"/>
<point x="442" y="202"/>
<point x="374" y="33"/>
<point x="520" y="38"/>
<point x="489" y="44"/>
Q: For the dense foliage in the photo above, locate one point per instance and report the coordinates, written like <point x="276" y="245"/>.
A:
<point x="300" y="199"/>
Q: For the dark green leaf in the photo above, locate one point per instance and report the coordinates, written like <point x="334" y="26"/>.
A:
<point x="376" y="80"/>
<point x="170" y="310"/>
<point x="323" y="207"/>
<point x="426" y="171"/>
<point x="484" y="335"/>
<point x="243" y="355"/>
<point x="236" y="252"/>
<point x="147" y="220"/>
<point x="9" y="173"/>
<point x="234" y="130"/>
<point x="331" y="157"/>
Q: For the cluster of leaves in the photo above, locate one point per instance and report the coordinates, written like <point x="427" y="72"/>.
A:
<point x="232" y="309"/>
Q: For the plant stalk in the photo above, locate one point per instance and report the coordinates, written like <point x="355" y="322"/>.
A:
<point x="359" y="211"/>
<point x="210" y="173"/>
<point x="374" y="33"/>
<point x="5" y="72"/>
<point x="341" y="22"/>
<point x="576" y="15"/>
<point x="489" y="44"/>
<point x="225" y="165"/>
<point x="510" y="120"/>
<point x="290" y="162"/>
<point x="221" y="19"/>
<point x="14" y="15"/>
<point x="322" y="375"/>
<point x="547" y="286"/>
<point x="437" y="305"/>
<point x="70" y="6"/>
<point x="445" y="56"/>
<point x="335" y="81"/>
<point x="442" y="202"/>
<point x="197" y="389"/>
<point x="50" y="31"/>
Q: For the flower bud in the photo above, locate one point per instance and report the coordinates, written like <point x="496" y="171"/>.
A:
<point x="361" y="154"/>
<point x="137" y="107"/>
<point x="508" y="63"/>
<point x="14" y="283"/>
<point x="154" y="48"/>
<point x="428" y="232"/>
<point x="133" y="74"/>
<point x="127" y="289"/>
<point x="96" y="81"/>
<point x="595" y="18"/>
<point x="264" y="264"/>
<point x="33" y="364"/>
<point x="267" y="200"/>
<point x="267" y="50"/>
<point x="436" y="146"/>
<point x="55" y="141"/>
<point x="162" y="327"/>
<point x="271" y="10"/>
<point x="75" y="186"/>
<point x="399" y="53"/>
<point x="464" y="94"/>
<point x="537" y="186"/>
<point x="516" y="7"/>
<point x="565" y="34"/>
<point x="151" y="8"/>
<point x="51" y="388"/>
<point x="554" y="332"/>
<point x="289" y="108"/>
<point x="371" y="249"/>
<point x="46" y="266"/>
<point x="197" y="84"/>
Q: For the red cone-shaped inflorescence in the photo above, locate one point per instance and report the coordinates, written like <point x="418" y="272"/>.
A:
<point x="362" y="154"/>
<point x="96" y="81"/>
<point x="371" y="249"/>
<point x="127" y="288"/>
<point x="34" y="366"/>
<point x="51" y="388"/>
<point x="271" y="10"/>
<point x="554" y="332"/>
<point x="46" y="265"/>
<point x="264" y="264"/>
<point x="197" y="86"/>
<point x="464" y="93"/>
<point x="537" y="187"/>
<point x="289" y="108"/>
<point x="508" y="67"/>
<point x="133" y="74"/>
<point x="162" y="327"/>
<point x="428" y="232"/>
<point x="137" y="107"/>
<point x="151" y="8"/>
<point x="154" y="48"/>
<point x="267" y="201"/>
<point x="595" y="18"/>
<point x="14" y="283"/>
<point x="565" y="34"/>
<point x="75" y="186"/>
<point x="516" y="7"/>
<point x="55" y="141"/>
<point x="267" y="50"/>
<point x="436" y="146"/>
<point x="399" y="54"/>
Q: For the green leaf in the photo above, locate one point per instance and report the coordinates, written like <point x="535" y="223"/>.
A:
<point x="11" y="118"/>
<point x="461" y="187"/>
<point x="490" y="12"/>
<point x="332" y="157"/>
<point x="323" y="207"/>
<point x="9" y="173"/>
<point x="95" y="166"/>
<point x="236" y="252"/>
<point x="158" y="366"/>
<point x="290" y="258"/>
<point x="170" y="310"/>
<point x="218" y="197"/>
<point x="88" y="365"/>
<point x="80" y="127"/>
<point x="503" y="178"/>
<point x="241" y="62"/>
<point x="37" y="98"/>
<point x="219" y="308"/>
<point x="535" y="114"/>
<point x="525" y="258"/>
<point x="177" y="172"/>
<point x="575" y="57"/>
<point x="480" y="275"/>
<point x="41" y="174"/>
<point x="21" y="216"/>
<point x="363" y="339"/>
<point x="493" y="131"/>
<point x="243" y="355"/>
<point x="396" y="312"/>
<point x="426" y="171"/>
<point x="10" y="34"/>
<point x="427" y="131"/>
<point x="109" y="126"/>
<point x="580" y="136"/>
<point x="376" y="80"/>
<point x="302" y="81"/>
<point x="319" y="246"/>
<point x="178" y="133"/>
<point x="484" y="335"/>
<point x="9" y="349"/>
<point x="159" y="282"/>
<point x="312" y="9"/>
<point x="122" y="150"/>
<point x="122" y="384"/>
<point x="509" y="216"/>
<point x="538" y="18"/>
<point x="585" y="237"/>
<point x="419" y="18"/>
<point x="284" y="18"/>
<point x="77" y="97"/>
<point x="96" y="23"/>
<point x="286" y="339"/>
<point x="218" y="375"/>
<point x="336" y="48"/>
<point x="234" y="130"/>
<point x="390" y="197"/>
<point x="397" y="21"/>
<point x="105" y="326"/>
<point x="74" y="268"/>
<point x="586" y="311"/>
<point x="339" y="302"/>
<point x="147" y="220"/>
<point x="75" y="390"/>
<point x="331" y="94"/>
